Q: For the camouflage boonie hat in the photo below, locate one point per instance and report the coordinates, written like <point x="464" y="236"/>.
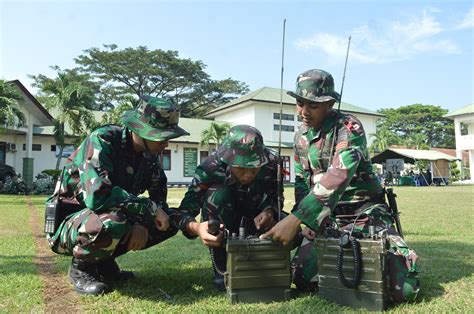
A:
<point x="243" y="147"/>
<point x="316" y="86"/>
<point x="154" y="119"/>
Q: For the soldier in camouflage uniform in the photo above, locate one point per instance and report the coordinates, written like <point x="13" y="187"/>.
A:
<point x="333" y="171"/>
<point x="237" y="183"/>
<point x="103" y="178"/>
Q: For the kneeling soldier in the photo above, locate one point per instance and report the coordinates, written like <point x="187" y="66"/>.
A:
<point x="334" y="176"/>
<point x="103" y="178"/>
<point x="237" y="184"/>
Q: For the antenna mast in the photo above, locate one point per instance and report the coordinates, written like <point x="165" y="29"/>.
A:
<point x="279" y="172"/>
<point x="340" y="100"/>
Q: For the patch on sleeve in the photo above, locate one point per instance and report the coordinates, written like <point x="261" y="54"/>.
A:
<point x="342" y="145"/>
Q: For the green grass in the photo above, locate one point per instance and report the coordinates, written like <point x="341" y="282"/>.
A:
<point x="437" y="222"/>
<point x="20" y="287"/>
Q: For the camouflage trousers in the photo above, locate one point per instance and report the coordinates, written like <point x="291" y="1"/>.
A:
<point x="402" y="274"/>
<point x="94" y="237"/>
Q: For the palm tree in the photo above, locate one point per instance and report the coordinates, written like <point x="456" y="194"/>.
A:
<point x="382" y="141"/>
<point x="69" y="101"/>
<point x="10" y="113"/>
<point x="215" y="133"/>
<point x="417" y="141"/>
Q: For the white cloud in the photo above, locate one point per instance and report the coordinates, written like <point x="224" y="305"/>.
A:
<point x="467" y="21"/>
<point x="398" y="41"/>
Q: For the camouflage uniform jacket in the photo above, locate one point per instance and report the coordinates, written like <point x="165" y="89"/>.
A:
<point x="320" y="186"/>
<point x="105" y="172"/>
<point x="262" y="191"/>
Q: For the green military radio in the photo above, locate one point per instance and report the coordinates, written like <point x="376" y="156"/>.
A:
<point x="352" y="272"/>
<point x="258" y="270"/>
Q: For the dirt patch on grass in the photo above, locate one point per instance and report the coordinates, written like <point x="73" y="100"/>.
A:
<point x="58" y="294"/>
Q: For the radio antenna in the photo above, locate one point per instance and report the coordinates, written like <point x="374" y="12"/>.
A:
<point x="279" y="171"/>
<point x="340" y="100"/>
<point x="344" y="74"/>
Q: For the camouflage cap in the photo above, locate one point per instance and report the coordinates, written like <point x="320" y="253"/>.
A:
<point x="316" y="86"/>
<point x="154" y="119"/>
<point x="243" y="147"/>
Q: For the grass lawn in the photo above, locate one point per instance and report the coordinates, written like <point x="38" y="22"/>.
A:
<point x="437" y="222"/>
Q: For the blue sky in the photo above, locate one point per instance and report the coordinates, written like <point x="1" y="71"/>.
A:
<point x="402" y="52"/>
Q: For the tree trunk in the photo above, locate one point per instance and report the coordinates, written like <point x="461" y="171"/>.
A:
<point x="58" y="161"/>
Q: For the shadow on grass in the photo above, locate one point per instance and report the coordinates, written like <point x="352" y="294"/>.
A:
<point x="16" y="265"/>
<point x="183" y="284"/>
<point x="442" y="262"/>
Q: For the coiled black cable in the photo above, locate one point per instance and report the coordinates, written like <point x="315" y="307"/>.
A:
<point x="357" y="262"/>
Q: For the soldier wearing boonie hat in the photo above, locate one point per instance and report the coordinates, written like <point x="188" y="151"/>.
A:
<point x="333" y="171"/>
<point x="238" y="182"/>
<point x="315" y="86"/>
<point x="104" y="178"/>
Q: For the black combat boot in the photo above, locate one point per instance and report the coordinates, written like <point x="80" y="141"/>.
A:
<point x="110" y="271"/>
<point x="218" y="258"/>
<point x="85" y="278"/>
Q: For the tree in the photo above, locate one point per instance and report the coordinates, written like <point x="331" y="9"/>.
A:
<point x="420" y="119"/>
<point x="215" y="133"/>
<point x="70" y="101"/>
<point x="383" y="139"/>
<point x="114" y="116"/>
<point x="10" y="113"/>
<point x="139" y="71"/>
<point x="416" y="141"/>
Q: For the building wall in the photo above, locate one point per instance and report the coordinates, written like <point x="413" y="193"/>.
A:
<point x="44" y="159"/>
<point x="466" y="141"/>
<point x="176" y="174"/>
<point x="244" y="115"/>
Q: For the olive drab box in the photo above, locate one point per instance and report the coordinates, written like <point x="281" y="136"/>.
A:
<point x="371" y="292"/>
<point x="257" y="270"/>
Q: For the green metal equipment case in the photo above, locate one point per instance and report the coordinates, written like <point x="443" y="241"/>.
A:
<point x="372" y="292"/>
<point x="257" y="270"/>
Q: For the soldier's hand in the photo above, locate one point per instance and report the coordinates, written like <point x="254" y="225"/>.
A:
<point x="200" y="229"/>
<point x="136" y="238"/>
<point x="264" y="220"/>
<point x="284" y="231"/>
<point x="162" y="220"/>
<point x="309" y="234"/>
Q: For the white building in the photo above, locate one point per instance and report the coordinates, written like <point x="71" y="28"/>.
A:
<point x="261" y="109"/>
<point x="464" y="133"/>
<point x="19" y="147"/>
<point x="34" y="146"/>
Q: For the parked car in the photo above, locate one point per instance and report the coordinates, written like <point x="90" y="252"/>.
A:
<point x="6" y="171"/>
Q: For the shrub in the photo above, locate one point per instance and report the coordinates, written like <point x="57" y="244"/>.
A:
<point x="53" y="173"/>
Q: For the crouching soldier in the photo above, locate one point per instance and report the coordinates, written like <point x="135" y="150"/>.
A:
<point x="235" y="185"/>
<point x="103" y="179"/>
<point x="334" y="177"/>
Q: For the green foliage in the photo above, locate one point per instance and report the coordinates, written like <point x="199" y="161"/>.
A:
<point x="422" y="165"/>
<point x="214" y="134"/>
<point x="383" y="139"/>
<point x="10" y="113"/>
<point x="423" y="124"/>
<point x="454" y="171"/>
<point x="52" y="172"/>
<point x="70" y="98"/>
<point x="114" y="116"/>
<point x="138" y="71"/>
<point x="416" y="141"/>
